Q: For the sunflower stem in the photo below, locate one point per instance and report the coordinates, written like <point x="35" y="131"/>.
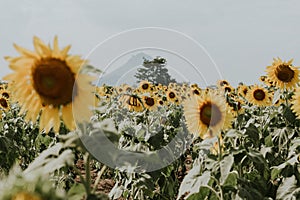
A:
<point x="100" y="173"/>
<point x="220" y="147"/>
<point x="87" y="174"/>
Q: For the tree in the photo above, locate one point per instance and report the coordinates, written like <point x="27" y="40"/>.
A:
<point x="154" y="71"/>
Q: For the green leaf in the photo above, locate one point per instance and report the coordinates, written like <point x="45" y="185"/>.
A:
<point x="231" y="179"/>
<point x="192" y="182"/>
<point x="288" y="189"/>
<point x="289" y="115"/>
<point x="76" y="192"/>
<point x="225" y="167"/>
<point x="253" y="133"/>
<point x="276" y="170"/>
<point x="268" y="141"/>
<point x="276" y="96"/>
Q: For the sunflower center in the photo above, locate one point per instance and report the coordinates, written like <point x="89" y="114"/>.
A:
<point x="227" y="89"/>
<point x="3" y="103"/>
<point x="259" y="94"/>
<point x="145" y="86"/>
<point x="5" y="94"/>
<point x="149" y="101"/>
<point x="284" y="73"/>
<point x="196" y="92"/>
<point x="210" y="114"/>
<point x="53" y="80"/>
<point x="172" y="95"/>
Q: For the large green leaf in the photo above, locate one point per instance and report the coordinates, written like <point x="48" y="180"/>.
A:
<point x="288" y="189"/>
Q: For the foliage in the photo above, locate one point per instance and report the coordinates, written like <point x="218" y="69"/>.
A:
<point x="155" y="72"/>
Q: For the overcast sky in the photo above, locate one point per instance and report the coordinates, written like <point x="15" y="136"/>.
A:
<point x="242" y="37"/>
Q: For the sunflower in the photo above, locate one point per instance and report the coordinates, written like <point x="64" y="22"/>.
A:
<point x="258" y="96"/>
<point x="196" y="91"/>
<point x="236" y="106"/>
<point x="283" y="74"/>
<point x="296" y="102"/>
<point x="43" y="82"/>
<point x="145" y="86"/>
<point x="4" y="103"/>
<point x="243" y="90"/>
<point x="25" y="196"/>
<point x="132" y="103"/>
<point x="160" y="102"/>
<point x="5" y="93"/>
<point x="171" y="95"/>
<point x="222" y="83"/>
<point x="150" y="103"/>
<point x="215" y="148"/>
<point x="207" y="115"/>
<point x="228" y="88"/>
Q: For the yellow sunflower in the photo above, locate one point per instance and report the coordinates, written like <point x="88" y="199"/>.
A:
<point x="227" y="88"/>
<point x="145" y="86"/>
<point x="196" y="91"/>
<point x="160" y="102"/>
<point x="43" y="82"/>
<point x="150" y="103"/>
<point x="132" y="103"/>
<point x="171" y="95"/>
<point x="243" y="90"/>
<point x="222" y="83"/>
<point x="283" y="74"/>
<point x="5" y="93"/>
<point x="266" y="81"/>
<point x="4" y="104"/>
<point x="237" y="106"/>
<point x="258" y="96"/>
<point x="25" y="196"/>
<point x="296" y="102"/>
<point x="207" y="115"/>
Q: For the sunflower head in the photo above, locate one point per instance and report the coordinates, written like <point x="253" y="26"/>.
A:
<point x="258" y="96"/>
<point x="4" y="104"/>
<point x="150" y="103"/>
<point x="26" y="196"/>
<point x="171" y="95"/>
<point x="207" y="115"/>
<point x="132" y="103"/>
<point x="48" y="81"/>
<point x="145" y="86"/>
<point x="296" y="102"/>
<point x="222" y="83"/>
<point x="283" y="74"/>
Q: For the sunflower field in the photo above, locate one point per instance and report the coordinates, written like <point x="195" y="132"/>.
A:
<point x="62" y="136"/>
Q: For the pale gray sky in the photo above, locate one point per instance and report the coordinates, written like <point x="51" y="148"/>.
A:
<point x="242" y="37"/>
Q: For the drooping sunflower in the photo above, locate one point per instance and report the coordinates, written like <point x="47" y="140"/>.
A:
<point x="237" y="106"/>
<point x="258" y="96"/>
<point x="207" y="115"/>
<point x="48" y="81"/>
<point x="243" y="90"/>
<point x="132" y="103"/>
<point x="283" y="74"/>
